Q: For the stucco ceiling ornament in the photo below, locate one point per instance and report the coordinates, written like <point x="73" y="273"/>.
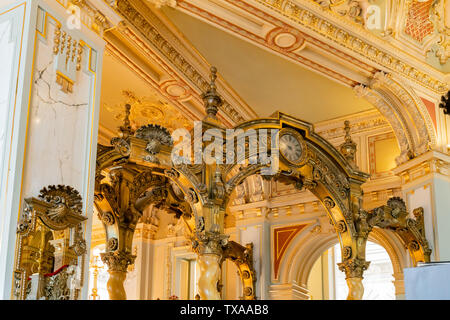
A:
<point x="147" y="109"/>
<point x="438" y="14"/>
<point x="364" y="43"/>
<point x="350" y="8"/>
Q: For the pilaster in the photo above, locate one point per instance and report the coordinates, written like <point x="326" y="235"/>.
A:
<point x="52" y="113"/>
<point x="426" y="183"/>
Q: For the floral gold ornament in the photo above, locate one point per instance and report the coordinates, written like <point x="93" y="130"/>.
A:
<point x="68" y="54"/>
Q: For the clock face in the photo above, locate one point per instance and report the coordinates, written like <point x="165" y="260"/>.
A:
<point x="291" y="147"/>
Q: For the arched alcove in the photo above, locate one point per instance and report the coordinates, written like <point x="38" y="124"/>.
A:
<point x="325" y="282"/>
<point x="308" y="246"/>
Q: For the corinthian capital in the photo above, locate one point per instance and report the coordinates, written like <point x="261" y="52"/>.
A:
<point x="353" y="268"/>
<point x="117" y="260"/>
<point x="209" y="243"/>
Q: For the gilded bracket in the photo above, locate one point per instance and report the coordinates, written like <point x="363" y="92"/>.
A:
<point x="50" y="238"/>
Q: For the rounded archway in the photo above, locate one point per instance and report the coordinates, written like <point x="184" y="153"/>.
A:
<point x="307" y="247"/>
<point x="326" y="282"/>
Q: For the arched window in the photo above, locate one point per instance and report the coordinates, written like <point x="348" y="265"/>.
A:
<point x="327" y="282"/>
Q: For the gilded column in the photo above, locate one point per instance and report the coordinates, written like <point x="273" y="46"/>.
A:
<point x="209" y="250"/>
<point x="117" y="263"/>
<point x="354" y="269"/>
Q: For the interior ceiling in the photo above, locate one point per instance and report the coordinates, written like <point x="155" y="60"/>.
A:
<point x="267" y="82"/>
<point x="121" y="85"/>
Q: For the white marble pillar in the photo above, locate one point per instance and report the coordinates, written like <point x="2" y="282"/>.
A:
<point x="255" y="228"/>
<point x="51" y="119"/>
<point x="138" y="283"/>
<point x="426" y="183"/>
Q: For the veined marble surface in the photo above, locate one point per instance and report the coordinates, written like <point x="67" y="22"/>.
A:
<point x="6" y="70"/>
<point x="57" y="149"/>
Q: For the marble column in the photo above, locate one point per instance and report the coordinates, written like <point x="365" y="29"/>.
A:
<point x="426" y="184"/>
<point x="139" y="282"/>
<point x="51" y="120"/>
<point x="209" y="264"/>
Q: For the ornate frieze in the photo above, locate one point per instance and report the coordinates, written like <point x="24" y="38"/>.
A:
<point x="84" y="12"/>
<point x="427" y="164"/>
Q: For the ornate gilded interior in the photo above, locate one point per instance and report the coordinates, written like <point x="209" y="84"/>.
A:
<point x="215" y="150"/>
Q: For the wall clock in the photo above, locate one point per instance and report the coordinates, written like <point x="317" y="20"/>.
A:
<point x="292" y="147"/>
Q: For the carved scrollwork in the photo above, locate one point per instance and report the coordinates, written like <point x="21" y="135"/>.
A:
<point x="155" y="136"/>
<point x="353" y="268"/>
<point x="113" y="244"/>
<point x="117" y="260"/>
<point x="412" y="231"/>
<point x="121" y="146"/>
<point x="341" y="226"/>
<point x="200" y="226"/>
<point x="49" y="223"/>
<point x="63" y="207"/>
<point x="58" y="286"/>
<point x="172" y="173"/>
<point x="191" y="196"/>
<point x="243" y="258"/>
<point x="329" y="203"/>
<point x="347" y="253"/>
<point x="107" y="218"/>
<point x="413" y="245"/>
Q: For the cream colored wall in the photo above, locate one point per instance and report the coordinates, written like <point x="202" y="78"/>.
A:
<point x="316" y="281"/>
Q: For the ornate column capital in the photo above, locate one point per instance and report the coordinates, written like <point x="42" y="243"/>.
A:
<point x="209" y="243"/>
<point x="353" y="268"/>
<point x="117" y="260"/>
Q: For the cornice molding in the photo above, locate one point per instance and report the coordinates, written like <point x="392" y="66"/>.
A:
<point x="366" y="45"/>
<point x="141" y="18"/>
<point x="343" y="38"/>
<point x="359" y="123"/>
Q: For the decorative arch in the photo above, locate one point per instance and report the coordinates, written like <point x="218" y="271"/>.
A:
<point x="307" y="247"/>
<point x="404" y="110"/>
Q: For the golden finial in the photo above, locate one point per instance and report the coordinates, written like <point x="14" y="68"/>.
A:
<point x="348" y="148"/>
<point x="211" y="98"/>
<point x="126" y="129"/>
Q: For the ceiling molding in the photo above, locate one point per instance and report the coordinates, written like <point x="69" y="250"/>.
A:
<point x="358" y="52"/>
<point x="145" y="31"/>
